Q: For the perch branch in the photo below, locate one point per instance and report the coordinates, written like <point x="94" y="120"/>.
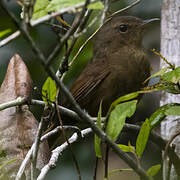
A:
<point x="43" y="138"/>
<point x="16" y="102"/>
<point x="58" y="151"/>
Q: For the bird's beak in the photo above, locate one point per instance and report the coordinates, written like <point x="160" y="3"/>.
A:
<point x="149" y="22"/>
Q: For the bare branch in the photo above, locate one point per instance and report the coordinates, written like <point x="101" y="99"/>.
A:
<point x="168" y="144"/>
<point x="43" y="138"/>
<point x="24" y="163"/>
<point x="36" y="147"/>
<point x="106" y="5"/>
<point x="10" y="38"/>
<point x="126" y="8"/>
<point x="16" y="102"/>
<point x="58" y="151"/>
<point x="59" y="128"/>
<point x="62" y="109"/>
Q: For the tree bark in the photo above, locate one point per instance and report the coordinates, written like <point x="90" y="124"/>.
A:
<point x="170" y="49"/>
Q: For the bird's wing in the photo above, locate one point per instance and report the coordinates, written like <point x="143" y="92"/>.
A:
<point x="89" y="79"/>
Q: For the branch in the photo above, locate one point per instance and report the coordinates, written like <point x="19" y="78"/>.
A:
<point x="44" y="19"/>
<point x="67" y="35"/>
<point x="126" y="8"/>
<point x="36" y="147"/>
<point x="58" y="129"/>
<point x="24" y="100"/>
<point x="58" y="151"/>
<point x="24" y="163"/>
<point x="62" y="109"/>
<point x="106" y="6"/>
<point x="43" y="138"/>
<point x="64" y="66"/>
<point x="160" y="142"/>
<point x="16" y="102"/>
<point x="9" y="38"/>
<point x="60" y="12"/>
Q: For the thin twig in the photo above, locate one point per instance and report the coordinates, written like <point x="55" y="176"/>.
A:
<point x="58" y="129"/>
<point x="65" y="65"/>
<point x="43" y="19"/>
<point x="160" y="142"/>
<point x="94" y="20"/>
<point x="9" y="38"/>
<point x="62" y="109"/>
<point x="16" y="102"/>
<point x="62" y="11"/>
<point x="24" y="163"/>
<point x="168" y="144"/>
<point x="171" y="66"/>
<point x="57" y="152"/>
<point x="58" y="48"/>
<point x="43" y="138"/>
<point x="125" y="9"/>
<point x="106" y="6"/>
<point x="84" y="44"/>
<point x="66" y="139"/>
<point x="36" y="147"/>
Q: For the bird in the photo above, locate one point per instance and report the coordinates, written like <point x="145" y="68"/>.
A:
<point x="119" y="66"/>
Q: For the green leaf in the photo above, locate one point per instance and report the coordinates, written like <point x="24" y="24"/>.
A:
<point x="126" y="148"/>
<point x="134" y="95"/>
<point x="97" y="140"/>
<point x="97" y="5"/>
<point x="173" y="111"/>
<point x="172" y="76"/>
<point x="56" y="5"/>
<point x="160" y="114"/>
<point x="3" y="33"/>
<point x="142" y="138"/>
<point x="152" y="171"/>
<point x="117" y="118"/>
<point x="49" y="91"/>
<point x="40" y="8"/>
<point x="43" y="7"/>
<point x="126" y="97"/>
<point x="159" y="73"/>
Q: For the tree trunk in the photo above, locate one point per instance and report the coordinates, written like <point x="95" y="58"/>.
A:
<point x="170" y="49"/>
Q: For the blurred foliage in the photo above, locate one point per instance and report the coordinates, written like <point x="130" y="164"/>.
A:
<point x="43" y="7"/>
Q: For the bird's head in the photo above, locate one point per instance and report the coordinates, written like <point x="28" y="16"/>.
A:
<point x="123" y="30"/>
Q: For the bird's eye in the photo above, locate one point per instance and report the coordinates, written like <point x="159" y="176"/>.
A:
<point x="123" y="28"/>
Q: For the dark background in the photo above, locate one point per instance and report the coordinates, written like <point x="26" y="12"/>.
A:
<point x="46" y="40"/>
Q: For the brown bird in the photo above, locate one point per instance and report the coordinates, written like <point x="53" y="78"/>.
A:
<point x="119" y="66"/>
